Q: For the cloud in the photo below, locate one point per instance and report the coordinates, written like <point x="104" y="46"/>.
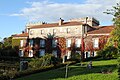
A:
<point x="15" y="14"/>
<point x="52" y="11"/>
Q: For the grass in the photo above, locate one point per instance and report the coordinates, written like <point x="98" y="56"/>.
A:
<point x="78" y="72"/>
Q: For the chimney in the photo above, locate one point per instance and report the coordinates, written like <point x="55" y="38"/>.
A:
<point x="23" y="32"/>
<point x="61" y="21"/>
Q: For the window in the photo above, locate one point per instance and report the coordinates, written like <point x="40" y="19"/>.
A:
<point x="30" y="53"/>
<point x="31" y="43"/>
<point x="95" y="43"/>
<point x="64" y="30"/>
<point x="77" y="30"/>
<point x="88" y="53"/>
<point x="21" y="53"/>
<point x="22" y="43"/>
<point x="54" y="43"/>
<point x="42" y="43"/>
<point x="68" y="42"/>
<point x="61" y="30"/>
<point x="42" y="52"/>
<point x="54" y="52"/>
<point x="54" y="31"/>
<point x="42" y="31"/>
<point x="68" y="30"/>
<point x="68" y="54"/>
<point x="48" y="30"/>
<point x="31" y="32"/>
<point x="77" y="42"/>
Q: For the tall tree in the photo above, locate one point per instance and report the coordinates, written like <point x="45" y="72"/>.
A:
<point x="115" y="34"/>
<point x="116" y="19"/>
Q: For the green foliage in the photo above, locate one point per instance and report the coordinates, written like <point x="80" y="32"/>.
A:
<point x="13" y="74"/>
<point x="6" y="48"/>
<point x="9" y="47"/>
<point x="118" y="66"/>
<point x="50" y="36"/>
<point x="8" y="42"/>
<point x="33" y="70"/>
<point x="46" y="60"/>
<point x="1" y="45"/>
<point x="106" y="70"/>
<point x="108" y="52"/>
<point x="15" y="42"/>
<point x="116" y="32"/>
<point x="78" y="72"/>
<point x="9" y="51"/>
<point x="76" y="56"/>
<point x="112" y="47"/>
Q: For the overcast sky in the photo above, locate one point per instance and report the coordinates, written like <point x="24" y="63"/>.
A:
<point x="15" y="14"/>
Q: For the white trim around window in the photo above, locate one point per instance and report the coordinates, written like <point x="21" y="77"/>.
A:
<point x="96" y="42"/>
<point x="68" y="42"/>
<point x="68" y="54"/>
<point x="30" y="53"/>
<point x="77" y="42"/>
<point x="21" y="53"/>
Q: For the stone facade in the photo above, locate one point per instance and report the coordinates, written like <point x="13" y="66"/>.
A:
<point x="65" y="38"/>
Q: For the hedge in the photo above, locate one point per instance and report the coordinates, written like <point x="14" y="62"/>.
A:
<point x="33" y="71"/>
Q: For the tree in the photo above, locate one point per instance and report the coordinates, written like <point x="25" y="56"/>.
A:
<point x="8" y="42"/>
<point x="6" y="48"/>
<point x="114" y="40"/>
<point x="1" y="45"/>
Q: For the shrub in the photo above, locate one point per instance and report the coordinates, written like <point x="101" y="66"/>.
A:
<point x="75" y="57"/>
<point x="46" y="60"/>
<point x="108" y="52"/>
<point x="106" y="70"/>
<point x="41" y="69"/>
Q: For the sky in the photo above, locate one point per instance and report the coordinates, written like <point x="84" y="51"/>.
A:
<point x="15" y="14"/>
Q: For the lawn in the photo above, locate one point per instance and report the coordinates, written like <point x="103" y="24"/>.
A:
<point x="78" y="72"/>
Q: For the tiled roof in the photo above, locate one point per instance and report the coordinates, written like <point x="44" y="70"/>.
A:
<point x="21" y="35"/>
<point x="96" y="36"/>
<point x="56" y="25"/>
<point x="102" y="30"/>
